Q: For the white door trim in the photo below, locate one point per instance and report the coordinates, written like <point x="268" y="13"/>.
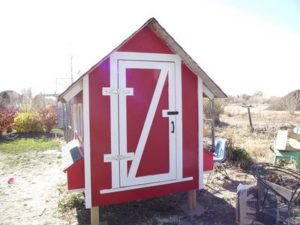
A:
<point x="114" y="125"/>
<point x="146" y="56"/>
<point x="147" y="125"/>
<point x="118" y="92"/>
<point x="130" y="179"/>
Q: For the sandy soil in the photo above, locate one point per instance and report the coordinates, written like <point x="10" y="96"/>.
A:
<point x="32" y="198"/>
<point x="40" y="184"/>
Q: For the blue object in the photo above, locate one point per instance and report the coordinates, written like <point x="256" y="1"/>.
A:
<point x="297" y="130"/>
<point x="220" y="150"/>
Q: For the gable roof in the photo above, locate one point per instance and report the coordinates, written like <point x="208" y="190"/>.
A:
<point x="209" y="85"/>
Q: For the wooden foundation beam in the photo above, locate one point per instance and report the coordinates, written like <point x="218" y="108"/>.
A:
<point x="95" y="220"/>
<point x="192" y="199"/>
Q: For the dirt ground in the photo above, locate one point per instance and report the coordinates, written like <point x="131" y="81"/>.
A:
<point x="32" y="198"/>
<point x="40" y="185"/>
<point x="38" y="194"/>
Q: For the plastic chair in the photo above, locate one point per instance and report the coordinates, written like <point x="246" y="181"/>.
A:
<point x="219" y="155"/>
<point x="220" y="150"/>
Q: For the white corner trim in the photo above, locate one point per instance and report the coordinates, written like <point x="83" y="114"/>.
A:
<point x="200" y="133"/>
<point x="207" y="92"/>
<point x="86" y="144"/>
<point x="73" y="91"/>
<point x="105" y="191"/>
<point x="178" y="118"/>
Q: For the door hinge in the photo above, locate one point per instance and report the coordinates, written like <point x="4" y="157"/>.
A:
<point x="109" y="157"/>
<point x="117" y="91"/>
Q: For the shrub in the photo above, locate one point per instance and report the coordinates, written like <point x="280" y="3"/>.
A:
<point x="70" y="202"/>
<point x="28" y="122"/>
<point x="6" y="119"/>
<point x="239" y="156"/>
<point x="218" y="109"/>
<point x="290" y="102"/>
<point x="48" y="116"/>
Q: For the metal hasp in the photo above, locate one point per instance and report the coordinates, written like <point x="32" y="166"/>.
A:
<point x="212" y="105"/>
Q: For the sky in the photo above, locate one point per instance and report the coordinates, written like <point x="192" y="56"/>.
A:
<point x="244" y="46"/>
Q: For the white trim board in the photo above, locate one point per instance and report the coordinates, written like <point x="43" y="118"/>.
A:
<point x="86" y="144"/>
<point x="105" y="191"/>
<point x="208" y="93"/>
<point x="145" y="56"/>
<point x="78" y="87"/>
<point x="114" y="124"/>
<point x="200" y="133"/>
<point x="178" y="118"/>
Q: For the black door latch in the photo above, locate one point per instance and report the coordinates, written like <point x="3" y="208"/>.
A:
<point x="172" y="113"/>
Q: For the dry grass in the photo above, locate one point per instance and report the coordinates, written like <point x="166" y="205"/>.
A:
<point x="266" y="123"/>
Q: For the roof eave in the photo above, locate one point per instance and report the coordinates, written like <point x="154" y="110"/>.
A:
<point x="188" y="61"/>
<point x="174" y="46"/>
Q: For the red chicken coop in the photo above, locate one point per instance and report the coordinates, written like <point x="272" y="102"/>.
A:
<point x="138" y="117"/>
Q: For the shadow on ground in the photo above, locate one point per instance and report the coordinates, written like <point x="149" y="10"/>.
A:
<point x="166" y="210"/>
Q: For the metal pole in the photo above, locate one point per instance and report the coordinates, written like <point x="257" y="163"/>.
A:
<point x="250" y="120"/>
<point x="71" y="64"/>
<point x="212" y="123"/>
<point x="249" y="115"/>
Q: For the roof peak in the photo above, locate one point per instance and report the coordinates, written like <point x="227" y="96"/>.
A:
<point x="159" y="31"/>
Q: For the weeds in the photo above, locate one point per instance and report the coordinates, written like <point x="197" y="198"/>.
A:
<point x="70" y="202"/>
<point x="239" y="156"/>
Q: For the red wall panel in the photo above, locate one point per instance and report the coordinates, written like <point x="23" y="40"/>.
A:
<point x="190" y="123"/>
<point x="75" y="175"/>
<point x="145" y="41"/>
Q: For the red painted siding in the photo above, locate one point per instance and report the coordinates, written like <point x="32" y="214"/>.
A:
<point x="75" y="175"/>
<point x="145" y="41"/>
<point x="190" y="124"/>
<point x="208" y="161"/>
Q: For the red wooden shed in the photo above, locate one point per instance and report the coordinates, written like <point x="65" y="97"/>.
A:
<point x="138" y="115"/>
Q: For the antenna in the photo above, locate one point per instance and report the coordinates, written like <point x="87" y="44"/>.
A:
<point x="71" y="68"/>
